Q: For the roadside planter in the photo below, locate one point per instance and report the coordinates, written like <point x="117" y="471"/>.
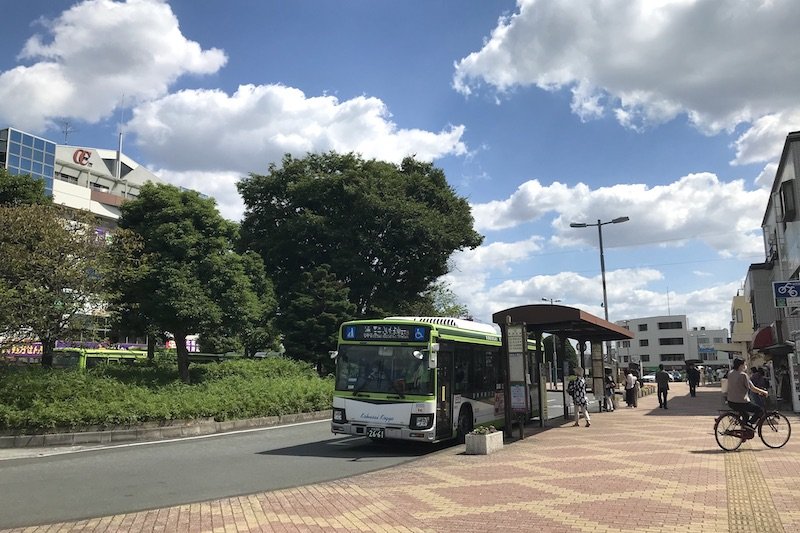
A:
<point x="484" y="440"/>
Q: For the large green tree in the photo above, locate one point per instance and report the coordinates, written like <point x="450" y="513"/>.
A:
<point x="21" y="189"/>
<point x="439" y="300"/>
<point x="386" y="231"/>
<point x="188" y="278"/>
<point x="52" y="270"/>
<point x="570" y="354"/>
<point x="315" y="308"/>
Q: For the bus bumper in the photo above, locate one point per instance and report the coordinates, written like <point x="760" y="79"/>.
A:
<point x="399" y="433"/>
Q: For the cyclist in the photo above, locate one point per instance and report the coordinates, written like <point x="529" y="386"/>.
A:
<point x="739" y="385"/>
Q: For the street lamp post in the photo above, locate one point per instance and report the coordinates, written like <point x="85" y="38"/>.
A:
<point x="600" y="225"/>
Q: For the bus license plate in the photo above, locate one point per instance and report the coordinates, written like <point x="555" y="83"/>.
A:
<point x="375" y="433"/>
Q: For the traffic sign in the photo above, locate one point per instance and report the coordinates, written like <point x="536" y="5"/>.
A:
<point x="786" y="293"/>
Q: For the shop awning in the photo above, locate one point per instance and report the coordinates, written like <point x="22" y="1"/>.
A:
<point x="764" y="338"/>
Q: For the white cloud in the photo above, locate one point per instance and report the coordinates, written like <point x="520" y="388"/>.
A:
<point x="258" y="124"/>
<point x="628" y="295"/>
<point x="94" y="53"/>
<point x="219" y="185"/>
<point x="766" y="177"/>
<point x="198" y="134"/>
<point x="723" y="215"/>
<point x="721" y="64"/>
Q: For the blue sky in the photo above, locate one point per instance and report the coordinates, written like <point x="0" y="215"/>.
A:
<point x="541" y="113"/>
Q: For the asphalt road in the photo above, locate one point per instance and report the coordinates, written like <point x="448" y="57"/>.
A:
<point x="101" y="481"/>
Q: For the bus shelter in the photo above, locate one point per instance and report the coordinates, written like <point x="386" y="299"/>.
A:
<point x="525" y="376"/>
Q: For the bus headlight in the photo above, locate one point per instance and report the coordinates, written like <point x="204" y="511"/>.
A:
<point x="339" y="415"/>
<point x="421" y="421"/>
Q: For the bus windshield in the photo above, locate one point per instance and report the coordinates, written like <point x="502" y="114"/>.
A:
<point x="382" y="369"/>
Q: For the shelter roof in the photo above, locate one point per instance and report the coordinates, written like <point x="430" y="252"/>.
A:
<point x="562" y="320"/>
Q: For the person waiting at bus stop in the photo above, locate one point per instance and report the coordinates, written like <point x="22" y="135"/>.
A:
<point x="577" y="389"/>
<point x="739" y="386"/>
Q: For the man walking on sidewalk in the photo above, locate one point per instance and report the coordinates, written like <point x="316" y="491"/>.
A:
<point x="693" y="377"/>
<point x="662" y="380"/>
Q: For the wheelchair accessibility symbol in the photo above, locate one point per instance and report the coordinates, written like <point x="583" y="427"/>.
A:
<point x="419" y="334"/>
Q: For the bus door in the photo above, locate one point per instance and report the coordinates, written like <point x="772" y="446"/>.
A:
<point x="444" y="394"/>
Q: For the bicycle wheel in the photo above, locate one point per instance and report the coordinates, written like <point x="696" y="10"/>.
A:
<point x="728" y="432"/>
<point x="775" y="430"/>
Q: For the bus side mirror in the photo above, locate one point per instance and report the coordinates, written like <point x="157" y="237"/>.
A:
<point x="432" y="360"/>
<point x="334" y="354"/>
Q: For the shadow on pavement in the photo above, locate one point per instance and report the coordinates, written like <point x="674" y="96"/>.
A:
<point x="358" y="449"/>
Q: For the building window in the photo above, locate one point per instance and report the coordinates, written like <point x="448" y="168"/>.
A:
<point x="626" y="344"/>
<point x="670" y="341"/>
<point x="787" y="200"/>
<point x="739" y="317"/>
<point x="624" y="358"/>
<point x="672" y="357"/>
<point x="642" y="327"/>
<point x="644" y="342"/>
<point x="718" y="340"/>
<point x="702" y="340"/>
<point x="644" y="358"/>
<point x="670" y="325"/>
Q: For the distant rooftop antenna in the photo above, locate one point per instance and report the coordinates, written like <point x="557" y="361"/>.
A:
<point x="67" y="129"/>
<point x="118" y="161"/>
<point x="668" y="310"/>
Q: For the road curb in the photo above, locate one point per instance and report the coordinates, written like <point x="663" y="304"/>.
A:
<point x="154" y="431"/>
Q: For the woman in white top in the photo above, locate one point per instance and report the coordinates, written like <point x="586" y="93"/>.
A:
<point x="630" y="389"/>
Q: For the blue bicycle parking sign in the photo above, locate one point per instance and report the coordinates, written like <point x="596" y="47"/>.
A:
<point x="786" y="293"/>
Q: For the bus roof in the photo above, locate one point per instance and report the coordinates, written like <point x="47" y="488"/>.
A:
<point x="449" y="321"/>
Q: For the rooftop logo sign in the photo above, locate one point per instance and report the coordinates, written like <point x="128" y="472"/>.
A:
<point x="81" y="156"/>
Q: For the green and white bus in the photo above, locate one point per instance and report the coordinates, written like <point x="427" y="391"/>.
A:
<point x="423" y="379"/>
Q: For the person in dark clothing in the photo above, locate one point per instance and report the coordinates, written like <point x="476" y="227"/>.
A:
<point x="662" y="380"/>
<point x="693" y="377"/>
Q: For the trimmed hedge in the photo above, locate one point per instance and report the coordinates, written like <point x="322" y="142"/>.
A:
<point x="35" y="399"/>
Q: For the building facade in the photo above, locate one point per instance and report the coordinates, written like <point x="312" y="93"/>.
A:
<point x="667" y="340"/>
<point x="776" y="314"/>
<point x="97" y="180"/>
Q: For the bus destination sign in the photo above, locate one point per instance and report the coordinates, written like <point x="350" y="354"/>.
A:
<point x="386" y="332"/>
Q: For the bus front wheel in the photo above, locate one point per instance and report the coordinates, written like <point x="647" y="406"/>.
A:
<point x="464" y="423"/>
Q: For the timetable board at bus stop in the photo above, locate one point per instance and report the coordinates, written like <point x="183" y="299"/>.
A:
<point x="524" y="379"/>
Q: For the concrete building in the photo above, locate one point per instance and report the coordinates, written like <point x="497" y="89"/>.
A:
<point x="740" y="341"/>
<point x="703" y="348"/>
<point x="772" y="288"/>
<point x="667" y="340"/>
<point x="657" y="340"/>
<point x="93" y="179"/>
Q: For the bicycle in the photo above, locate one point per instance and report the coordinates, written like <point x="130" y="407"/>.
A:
<point x="730" y="431"/>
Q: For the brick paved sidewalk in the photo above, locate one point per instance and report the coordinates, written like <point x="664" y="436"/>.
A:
<point x="643" y="469"/>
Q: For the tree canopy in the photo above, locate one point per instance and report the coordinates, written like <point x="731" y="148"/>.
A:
<point x="52" y="270"/>
<point x="316" y="307"/>
<point x="385" y="231"/>
<point x="21" y="189"/>
<point x="188" y="278"/>
<point x="571" y="355"/>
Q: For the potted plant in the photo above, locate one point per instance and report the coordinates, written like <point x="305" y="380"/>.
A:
<point x="484" y="440"/>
